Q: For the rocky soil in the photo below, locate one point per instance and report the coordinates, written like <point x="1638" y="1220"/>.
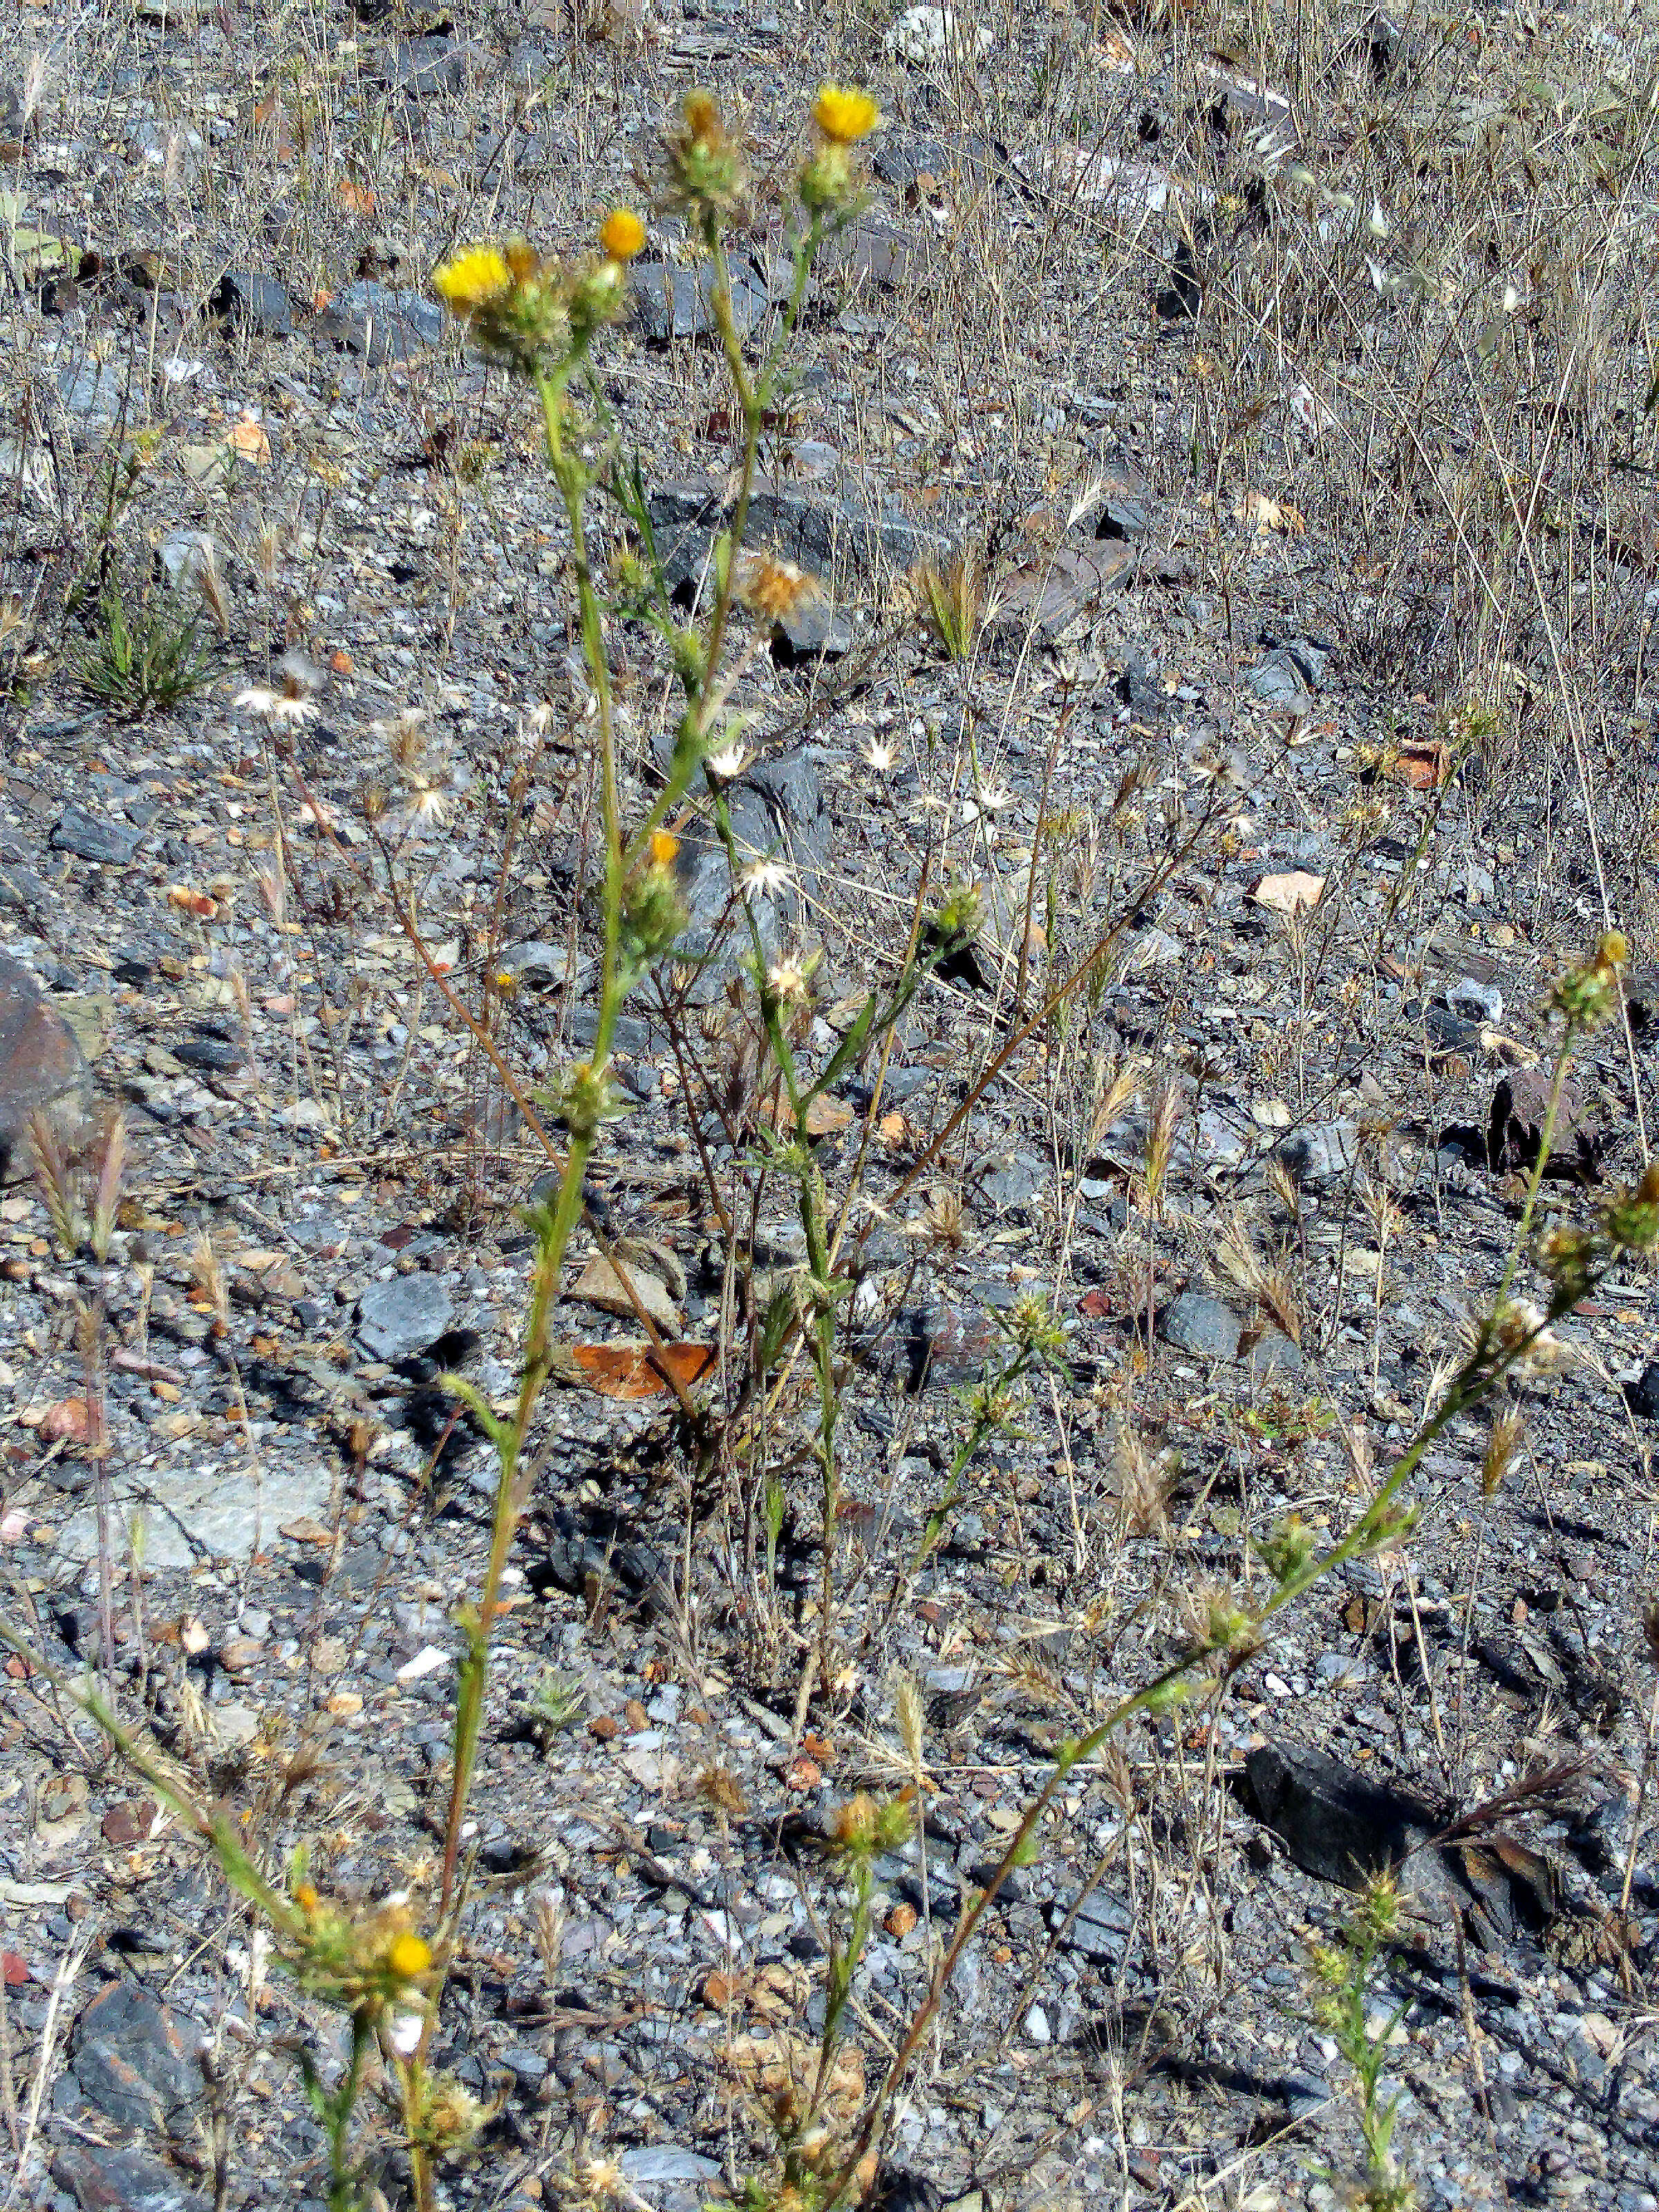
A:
<point x="1271" y="717"/>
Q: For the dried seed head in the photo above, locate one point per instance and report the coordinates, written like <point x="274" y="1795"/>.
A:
<point x="1502" y="1444"/>
<point x="907" y="1709"/>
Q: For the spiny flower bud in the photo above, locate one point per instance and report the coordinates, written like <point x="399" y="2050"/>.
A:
<point x="706" y="172"/>
<point x="1631" y="1220"/>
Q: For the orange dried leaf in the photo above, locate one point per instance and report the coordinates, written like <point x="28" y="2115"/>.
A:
<point x="355" y="198"/>
<point x="1423" y="764"/>
<point x="632" y="1369"/>
<point x="250" y="440"/>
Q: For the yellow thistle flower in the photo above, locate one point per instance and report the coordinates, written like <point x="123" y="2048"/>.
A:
<point x="844" y="114"/>
<point x="663" y="846"/>
<point x="471" y="280"/>
<point x="408" y="1956"/>
<point x="621" y="235"/>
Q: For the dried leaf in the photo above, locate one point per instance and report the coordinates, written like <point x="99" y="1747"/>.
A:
<point x="631" y="1369"/>
<point x="1259" y="513"/>
<point x="250" y="440"/>
<point x="194" y="903"/>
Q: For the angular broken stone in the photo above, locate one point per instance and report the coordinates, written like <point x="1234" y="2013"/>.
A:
<point x="1515" y="1127"/>
<point x="671" y="302"/>
<point x="42" y="1067"/>
<point x="1336" y="1823"/>
<point x="1198" y="1323"/>
<point x="398" y="1319"/>
<point x="599" y="1284"/>
<point x="93" y="837"/>
<point x="135" y="2060"/>
<point x="810" y="628"/>
<point x="777" y="812"/>
<point x="1321" y="1158"/>
<point x="819" y="530"/>
<point x="131" y="2180"/>
<point x="381" y="322"/>
<point x="1055" y="593"/>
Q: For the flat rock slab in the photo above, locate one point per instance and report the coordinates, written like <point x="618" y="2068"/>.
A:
<point x="134" y="2060"/>
<point x="122" y="2181"/>
<point x="777" y="812"/>
<point x="1054" y="594"/>
<point x="42" y="1067"/>
<point x="1336" y="1823"/>
<point x="381" y="322"/>
<point x="192" y="1513"/>
<point x="1515" y="1126"/>
<point x="599" y="1284"/>
<point x="95" y="837"/>
<point x="398" y="1319"/>
<point x="677" y="303"/>
<point x="817" y="530"/>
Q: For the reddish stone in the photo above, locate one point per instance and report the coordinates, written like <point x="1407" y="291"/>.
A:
<point x="41" y="1065"/>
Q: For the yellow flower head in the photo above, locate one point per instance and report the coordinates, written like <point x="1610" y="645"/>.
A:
<point x="471" y="279"/>
<point x="844" y="114"/>
<point x="621" y="235"/>
<point x="663" y="846"/>
<point x="408" y="1956"/>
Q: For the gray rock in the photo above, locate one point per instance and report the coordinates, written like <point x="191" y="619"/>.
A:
<point x="777" y="812"/>
<point x="253" y="303"/>
<point x="380" y="322"/>
<point x="191" y="1515"/>
<point x="1054" y="594"/>
<point x="900" y="159"/>
<point x="398" y="1319"/>
<point x="1101" y="1930"/>
<point x="1474" y="1000"/>
<point x="1198" y="1323"/>
<point x="94" y="396"/>
<point x="937" y="1342"/>
<point x="186" y="556"/>
<point x="173" y="148"/>
<point x="671" y="302"/>
<point x="1321" y="1158"/>
<point x="42" y="1066"/>
<point x="135" y="2060"/>
<point x="819" y="530"/>
<point x="213" y="1054"/>
<point x="22" y="890"/>
<point x="1289" y="676"/>
<point x="1275" y="1353"/>
<point x="91" y="837"/>
<point x="649" y="2162"/>
<point x="1338" y="1825"/>
<point x="535" y="964"/>
<point x="1013" y="1180"/>
<point x="423" y="68"/>
<point x="121" y="2181"/>
<point x="811" y="629"/>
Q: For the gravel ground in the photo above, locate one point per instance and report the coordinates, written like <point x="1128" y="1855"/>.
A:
<point x="1224" y="716"/>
